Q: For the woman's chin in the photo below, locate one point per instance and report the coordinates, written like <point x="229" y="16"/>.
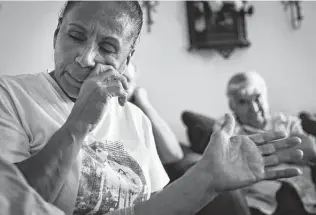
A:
<point x="71" y="92"/>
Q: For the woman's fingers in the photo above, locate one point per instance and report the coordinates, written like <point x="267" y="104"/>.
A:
<point x="281" y="173"/>
<point x="275" y="146"/>
<point x="102" y="72"/>
<point x="229" y="124"/>
<point x="115" y="88"/>
<point x="121" y="78"/>
<point x="122" y="100"/>
<point x="261" y="138"/>
<point x="281" y="157"/>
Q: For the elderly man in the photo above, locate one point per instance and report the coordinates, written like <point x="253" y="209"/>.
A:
<point x="247" y="95"/>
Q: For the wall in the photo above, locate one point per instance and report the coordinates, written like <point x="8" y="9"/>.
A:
<point x="176" y="79"/>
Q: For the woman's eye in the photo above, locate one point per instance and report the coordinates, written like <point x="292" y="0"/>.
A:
<point x="108" y="49"/>
<point x="77" y="36"/>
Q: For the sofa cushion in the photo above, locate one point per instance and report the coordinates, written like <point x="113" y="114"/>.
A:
<point x="199" y="129"/>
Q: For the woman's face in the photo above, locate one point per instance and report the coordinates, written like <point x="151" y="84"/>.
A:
<point x="91" y="33"/>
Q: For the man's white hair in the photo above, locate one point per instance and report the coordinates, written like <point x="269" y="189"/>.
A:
<point x="242" y="81"/>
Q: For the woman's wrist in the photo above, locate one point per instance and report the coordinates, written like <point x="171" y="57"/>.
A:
<point x="193" y="191"/>
<point x="77" y="129"/>
<point x="205" y="177"/>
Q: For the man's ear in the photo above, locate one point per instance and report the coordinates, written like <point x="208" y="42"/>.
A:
<point x="232" y="105"/>
<point x="57" y="31"/>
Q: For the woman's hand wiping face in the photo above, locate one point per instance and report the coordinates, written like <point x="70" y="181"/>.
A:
<point x="103" y="84"/>
<point x="110" y="82"/>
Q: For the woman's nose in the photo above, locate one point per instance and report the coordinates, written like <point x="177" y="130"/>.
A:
<point x="87" y="57"/>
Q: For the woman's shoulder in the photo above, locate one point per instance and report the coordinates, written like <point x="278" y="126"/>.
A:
<point x="21" y="80"/>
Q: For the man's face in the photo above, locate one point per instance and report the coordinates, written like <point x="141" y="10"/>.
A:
<point x="91" y="33"/>
<point x="251" y="107"/>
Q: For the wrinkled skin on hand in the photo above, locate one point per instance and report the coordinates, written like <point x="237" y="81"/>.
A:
<point x="102" y="84"/>
<point x="233" y="162"/>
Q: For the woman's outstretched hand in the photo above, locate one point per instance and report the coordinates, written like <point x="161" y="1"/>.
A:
<point x="232" y="162"/>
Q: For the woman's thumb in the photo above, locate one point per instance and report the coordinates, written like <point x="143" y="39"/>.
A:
<point x="229" y="124"/>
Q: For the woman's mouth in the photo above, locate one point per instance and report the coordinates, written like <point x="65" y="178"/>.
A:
<point x="74" y="81"/>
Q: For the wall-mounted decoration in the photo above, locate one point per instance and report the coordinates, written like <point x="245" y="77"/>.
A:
<point x="296" y="13"/>
<point x="218" y="25"/>
<point x="149" y="7"/>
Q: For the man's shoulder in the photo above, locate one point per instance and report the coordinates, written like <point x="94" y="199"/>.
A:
<point x="286" y="122"/>
<point x="284" y="117"/>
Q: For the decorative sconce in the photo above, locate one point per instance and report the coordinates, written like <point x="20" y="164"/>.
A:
<point x="218" y="25"/>
<point x="149" y="7"/>
<point x="296" y="14"/>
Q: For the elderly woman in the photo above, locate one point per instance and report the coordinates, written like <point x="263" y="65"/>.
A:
<point x="84" y="149"/>
<point x="248" y="100"/>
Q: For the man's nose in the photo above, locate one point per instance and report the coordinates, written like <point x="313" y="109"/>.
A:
<point x="86" y="58"/>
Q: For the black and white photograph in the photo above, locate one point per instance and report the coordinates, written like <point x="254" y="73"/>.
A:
<point x="157" y="107"/>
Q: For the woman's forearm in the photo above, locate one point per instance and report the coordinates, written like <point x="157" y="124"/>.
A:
<point x="168" y="146"/>
<point x="185" y="196"/>
<point x="47" y="171"/>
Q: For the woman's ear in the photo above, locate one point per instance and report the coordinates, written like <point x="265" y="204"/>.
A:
<point x="57" y="31"/>
<point x="130" y="56"/>
<point x="55" y="36"/>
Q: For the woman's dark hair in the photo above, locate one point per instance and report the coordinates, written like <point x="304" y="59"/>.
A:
<point x="133" y="9"/>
